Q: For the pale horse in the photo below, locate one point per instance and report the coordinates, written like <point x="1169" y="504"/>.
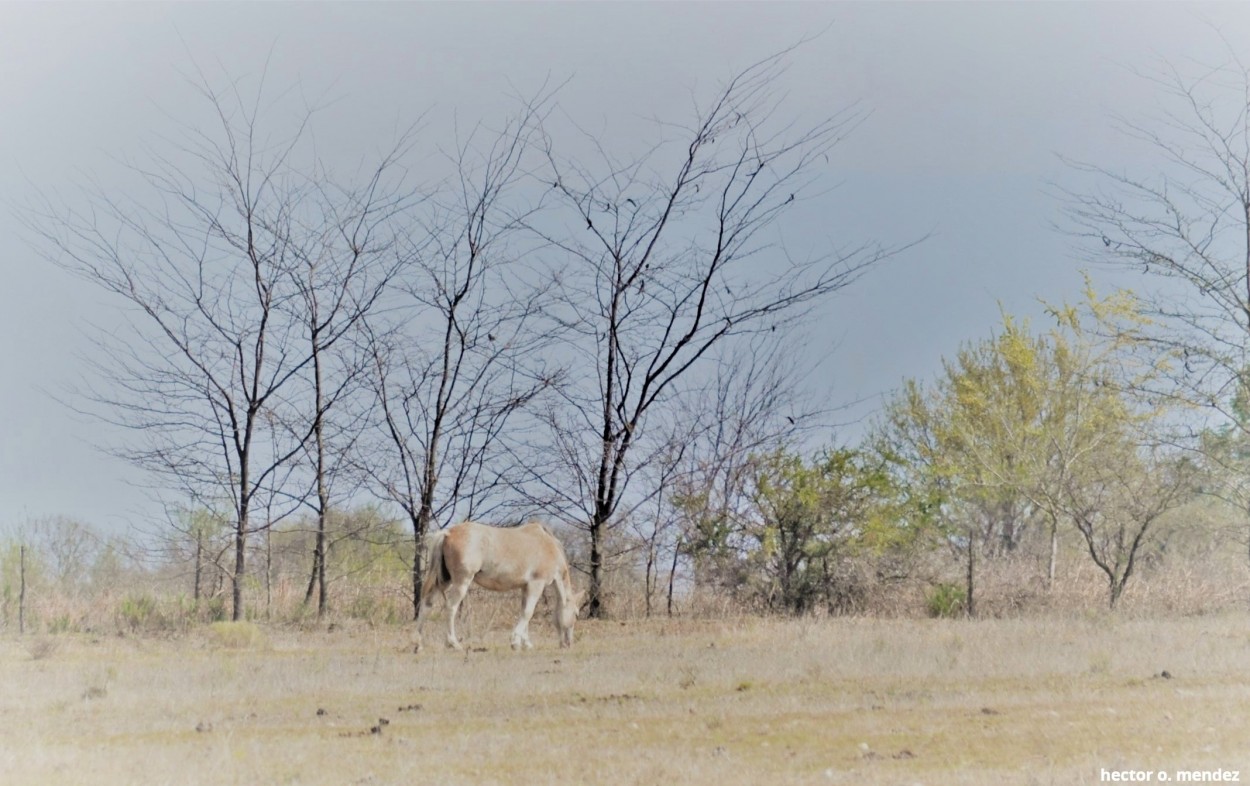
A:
<point x="502" y="559"/>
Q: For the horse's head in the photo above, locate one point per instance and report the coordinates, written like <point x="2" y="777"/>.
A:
<point x="567" y="617"/>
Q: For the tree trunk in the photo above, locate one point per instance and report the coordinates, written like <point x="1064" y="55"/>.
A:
<point x="416" y="574"/>
<point x="1054" y="554"/>
<point x="240" y="561"/>
<point x="323" y="596"/>
<point x="199" y="565"/>
<point x="268" y="573"/>
<point x="318" y="577"/>
<point x="244" y="511"/>
<point x="650" y="577"/>
<point x="312" y="576"/>
<point x="420" y="526"/>
<point x="236" y="581"/>
<point x="595" y="609"/>
<point x="672" y="572"/>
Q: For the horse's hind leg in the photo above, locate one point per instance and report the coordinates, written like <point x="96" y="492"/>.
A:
<point x="521" y="634"/>
<point x="423" y="611"/>
<point x="455" y="596"/>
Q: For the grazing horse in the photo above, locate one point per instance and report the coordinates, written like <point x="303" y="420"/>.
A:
<point x="527" y="557"/>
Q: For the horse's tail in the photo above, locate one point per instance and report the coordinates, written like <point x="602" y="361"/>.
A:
<point x="437" y="577"/>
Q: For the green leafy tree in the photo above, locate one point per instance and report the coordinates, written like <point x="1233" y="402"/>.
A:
<point x="964" y="448"/>
<point x="813" y="524"/>
<point x="1022" y="433"/>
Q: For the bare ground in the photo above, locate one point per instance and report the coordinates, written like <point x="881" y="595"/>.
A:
<point x="725" y="702"/>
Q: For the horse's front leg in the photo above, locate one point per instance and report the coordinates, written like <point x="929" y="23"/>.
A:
<point x="521" y="634"/>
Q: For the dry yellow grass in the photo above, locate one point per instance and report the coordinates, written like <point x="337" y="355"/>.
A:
<point x="735" y="701"/>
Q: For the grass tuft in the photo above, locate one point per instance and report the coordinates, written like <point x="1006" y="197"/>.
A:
<point x="42" y="647"/>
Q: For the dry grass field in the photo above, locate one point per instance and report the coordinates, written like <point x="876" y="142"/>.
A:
<point x="844" y="701"/>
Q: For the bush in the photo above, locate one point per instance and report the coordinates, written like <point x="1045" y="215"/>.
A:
<point x="237" y="635"/>
<point x="61" y="623"/>
<point x="376" y="610"/>
<point x="138" y="613"/>
<point x="206" y="610"/>
<point x="946" y="600"/>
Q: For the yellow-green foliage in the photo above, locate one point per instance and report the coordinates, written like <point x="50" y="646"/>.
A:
<point x="237" y="635"/>
<point x="985" y="441"/>
<point x="810" y="519"/>
<point x="362" y="543"/>
<point x="946" y="600"/>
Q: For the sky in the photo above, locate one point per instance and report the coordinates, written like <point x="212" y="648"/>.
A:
<point x="969" y="108"/>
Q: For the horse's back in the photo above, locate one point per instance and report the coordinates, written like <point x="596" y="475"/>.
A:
<point x="502" y="558"/>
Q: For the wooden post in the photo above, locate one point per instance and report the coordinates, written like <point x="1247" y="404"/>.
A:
<point x="1054" y="555"/>
<point x="268" y="572"/>
<point x="970" y="605"/>
<point x="21" y="598"/>
<point x="199" y="562"/>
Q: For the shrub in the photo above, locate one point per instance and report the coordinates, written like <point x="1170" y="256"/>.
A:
<point x="61" y="623"/>
<point x="946" y="600"/>
<point x="375" y="610"/>
<point x="138" y="613"/>
<point x="203" y="610"/>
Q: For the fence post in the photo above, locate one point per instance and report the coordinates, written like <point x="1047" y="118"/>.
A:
<point x="21" y="598"/>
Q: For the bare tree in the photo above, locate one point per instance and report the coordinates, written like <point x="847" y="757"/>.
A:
<point x="202" y="258"/>
<point x="465" y="358"/>
<point x="669" y="255"/>
<point x="1185" y="225"/>
<point x="345" y="267"/>
<point x="68" y="548"/>
<point x="1116" y="506"/>
<point x="752" y="405"/>
<point x="656" y="522"/>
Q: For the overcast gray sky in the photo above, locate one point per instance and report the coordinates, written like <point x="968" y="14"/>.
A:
<point x="969" y="103"/>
